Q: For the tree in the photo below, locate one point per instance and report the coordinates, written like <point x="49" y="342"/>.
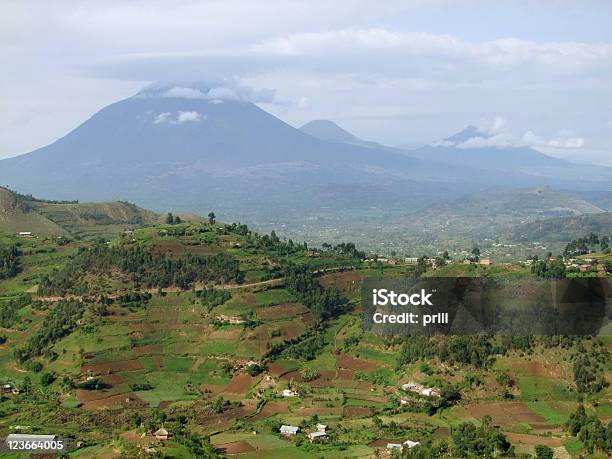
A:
<point x="484" y="441"/>
<point x="604" y="243"/>
<point x="9" y="262"/>
<point x="211" y="218"/>
<point x="475" y="253"/>
<point x="309" y="374"/>
<point x="169" y="218"/>
<point x="551" y="269"/>
<point x="47" y="379"/>
<point x="543" y="452"/>
<point x="27" y="385"/>
<point x="421" y="266"/>
<point x="177" y="220"/>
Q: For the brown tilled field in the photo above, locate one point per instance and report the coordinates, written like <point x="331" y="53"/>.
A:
<point x="127" y="400"/>
<point x="546" y="370"/>
<point x="352" y="363"/>
<point x="239" y="384"/>
<point x="236" y="447"/>
<point x="270" y="409"/>
<point x="526" y="439"/>
<point x="504" y="413"/>
<point x="345" y="281"/>
<point x="111" y="367"/>
<point x="356" y="412"/>
<point x="148" y="349"/>
<point x="276" y="370"/>
<point x="281" y="311"/>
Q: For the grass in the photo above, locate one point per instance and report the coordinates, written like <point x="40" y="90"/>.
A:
<point x="218" y="348"/>
<point x="351" y="451"/>
<point x="549" y="413"/>
<point x="604" y="409"/>
<point x="177" y="364"/>
<point x="281" y="453"/>
<point x="362" y="403"/>
<point x="324" y="362"/>
<point x="274" y="296"/>
<point x="167" y="386"/>
<point x="573" y="446"/>
<point x="535" y="388"/>
<point x="374" y="354"/>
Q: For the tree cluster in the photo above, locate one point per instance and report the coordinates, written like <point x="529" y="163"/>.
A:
<point x="60" y="322"/>
<point x="9" y="310"/>
<point x="9" y="262"/>
<point x="324" y="303"/>
<point x="173" y="219"/>
<point x="587" y="244"/>
<point x="144" y="267"/>
<point x="345" y="248"/>
<point x="590" y="430"/>
<point x="211" y="297"/>
<point x="476" y="351"/>
<point x="485" y="441"/>
<point x="549" y="269"/>
<point x="590" y="369"/>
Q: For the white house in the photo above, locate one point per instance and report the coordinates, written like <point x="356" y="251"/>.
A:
<point x="25" y="233"/>
<point x="289" y="430"/>
<point x="394" y="446"/>
<point x="161" y="434"/>
<point x="409" y="386"/>
<point x="321" y="428"/>
<point x="411" y="444"/>
<point x="428" y="392"/>
<point x="316" y="436"/>
<point x="289" y="393"/>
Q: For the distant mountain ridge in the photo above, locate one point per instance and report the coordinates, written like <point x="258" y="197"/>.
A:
<point x="328" y="130"/>
<point x="196" y="150"/>
<point x="539" y="201"/>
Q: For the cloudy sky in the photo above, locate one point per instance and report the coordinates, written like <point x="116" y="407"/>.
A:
<point x="403" y="73"/>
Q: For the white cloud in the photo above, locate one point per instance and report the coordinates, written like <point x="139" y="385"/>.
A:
<point x="184" y="93"/>
<point x="229" y="90"/>
<point x="530" y="139"/>
<point x="495" y="133"/>
<point x="179" y="118"/>
<point x="186" y="117"/>
<point x="496" y="54"/>
<point x="222" y="94"/>
<point x="162" y="118"/>
<point x="495" y="141"/>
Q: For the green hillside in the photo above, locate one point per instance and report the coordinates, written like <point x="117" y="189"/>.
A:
<point x="17" y="215"/>
<point x="562" y="229"/>
<point x="21" y="213"/>
<point x="199" y="328"/>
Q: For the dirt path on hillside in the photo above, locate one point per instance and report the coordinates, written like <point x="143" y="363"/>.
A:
<point x="271" y="282"/>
